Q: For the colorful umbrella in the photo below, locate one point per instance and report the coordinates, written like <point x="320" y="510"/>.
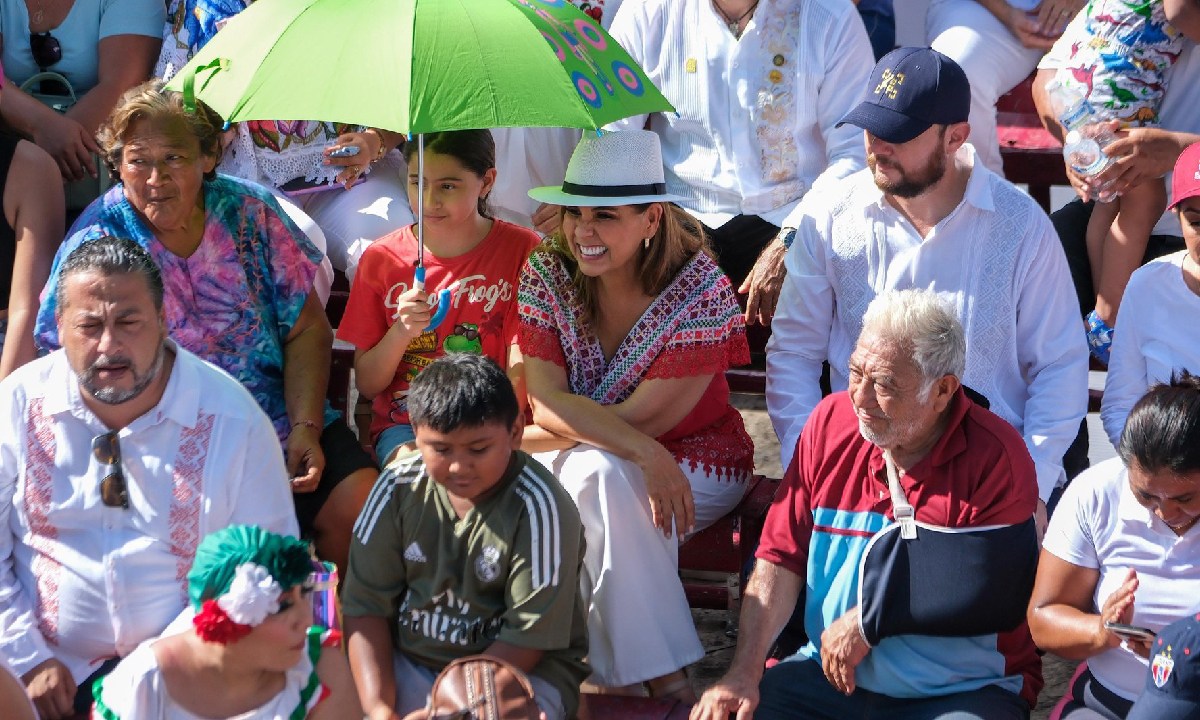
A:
<point x="418" y="66"/>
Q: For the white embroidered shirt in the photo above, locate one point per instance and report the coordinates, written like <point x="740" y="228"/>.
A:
<point x="81" y="581"/>
<point x="755" y="125"/>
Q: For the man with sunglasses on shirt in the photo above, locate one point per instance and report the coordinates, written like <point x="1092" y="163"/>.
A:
<point x="117" y="454"/>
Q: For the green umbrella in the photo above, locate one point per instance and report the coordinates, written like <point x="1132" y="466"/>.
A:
<point x="416" y="66"/>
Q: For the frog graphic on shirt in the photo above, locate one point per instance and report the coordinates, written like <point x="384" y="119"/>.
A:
<point x="464" y="339"/>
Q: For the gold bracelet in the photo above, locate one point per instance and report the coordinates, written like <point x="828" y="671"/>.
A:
<point x="383" y="148"/>
<point x="307" y="424"/>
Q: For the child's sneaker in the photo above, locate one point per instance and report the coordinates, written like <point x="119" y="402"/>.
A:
<point x="1099" y="336"/>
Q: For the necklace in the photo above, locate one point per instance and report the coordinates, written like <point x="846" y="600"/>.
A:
<point x="735" y="25"/>
<point x="39" y="14"/>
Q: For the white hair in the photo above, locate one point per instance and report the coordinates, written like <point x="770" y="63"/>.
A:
<point x="921" y="322"/>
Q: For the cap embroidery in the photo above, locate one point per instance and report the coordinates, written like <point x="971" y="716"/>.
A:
<point x="1162" y="666"/>
<point x="889" y="83"/>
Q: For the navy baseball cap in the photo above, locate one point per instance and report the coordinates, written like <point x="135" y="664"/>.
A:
<point x="1173" y="687"/>
<point x="911" y="90"/>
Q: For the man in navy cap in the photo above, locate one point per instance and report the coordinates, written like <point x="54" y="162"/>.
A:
<point x="926" y="214"/>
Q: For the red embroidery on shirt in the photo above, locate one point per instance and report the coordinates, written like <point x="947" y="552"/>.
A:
<point x="40" y="446"/>
<point x="184" y="517"/>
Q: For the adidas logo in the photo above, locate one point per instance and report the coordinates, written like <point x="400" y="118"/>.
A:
<point x="413" y="554"/>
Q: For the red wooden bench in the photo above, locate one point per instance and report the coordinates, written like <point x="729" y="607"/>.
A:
<point x="726" y="547"/>
<point x="1031" y="155"/>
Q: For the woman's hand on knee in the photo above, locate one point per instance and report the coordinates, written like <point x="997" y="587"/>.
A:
<point x="670" y="493"/>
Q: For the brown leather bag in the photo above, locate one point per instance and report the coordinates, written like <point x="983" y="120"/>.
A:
<point x="480" y="687"/>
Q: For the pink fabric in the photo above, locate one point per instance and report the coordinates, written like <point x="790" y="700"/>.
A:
<point x="1057" y="712"/>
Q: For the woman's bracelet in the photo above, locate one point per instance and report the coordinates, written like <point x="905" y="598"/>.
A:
<point x="307" y="424"/>
<point x="383" y="148"/>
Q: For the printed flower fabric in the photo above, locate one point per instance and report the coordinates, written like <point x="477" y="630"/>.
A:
<point x="694" y="328"/>
<point x="270" y="151"/>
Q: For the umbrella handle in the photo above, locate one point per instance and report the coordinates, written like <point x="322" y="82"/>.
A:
<point x="189" y="81"/>
<point x="443" y="300"/>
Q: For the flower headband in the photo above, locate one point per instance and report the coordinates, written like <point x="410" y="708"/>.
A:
<point x="252" y="597"/>
<point x="238" y="577"/>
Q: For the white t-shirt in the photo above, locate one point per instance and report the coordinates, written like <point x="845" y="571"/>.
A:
<point x="79" y="35"/>
<point x="1100" y="525"/>
<point x="1156" y="338"/>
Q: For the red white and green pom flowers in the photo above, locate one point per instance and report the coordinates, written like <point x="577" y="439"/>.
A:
<point x="252" y="597"/>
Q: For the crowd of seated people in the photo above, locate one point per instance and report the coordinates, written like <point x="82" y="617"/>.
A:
<point x="537" y="458"/>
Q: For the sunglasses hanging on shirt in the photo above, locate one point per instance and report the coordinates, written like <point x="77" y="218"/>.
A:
<point x="45" y="48"/>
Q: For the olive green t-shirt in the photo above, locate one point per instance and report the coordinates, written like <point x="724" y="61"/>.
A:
<point x="507" y="570"/>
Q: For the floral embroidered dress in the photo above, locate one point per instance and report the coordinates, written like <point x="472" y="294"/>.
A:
<point x="273" y="152"/>
<point x="136" y="689"/>
<point x="234" y="300"/>
<point x="693" y="328"/>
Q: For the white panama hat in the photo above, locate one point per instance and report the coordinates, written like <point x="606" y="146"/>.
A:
<point x="622" y="167"/>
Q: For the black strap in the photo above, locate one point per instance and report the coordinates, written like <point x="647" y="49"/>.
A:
<point x="614" y="191"/>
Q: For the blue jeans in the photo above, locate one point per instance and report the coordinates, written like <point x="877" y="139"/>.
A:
<point x="796" y="689"/>
<point x="392" y="438"/>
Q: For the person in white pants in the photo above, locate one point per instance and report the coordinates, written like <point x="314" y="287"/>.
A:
<point x="998" y="44"/>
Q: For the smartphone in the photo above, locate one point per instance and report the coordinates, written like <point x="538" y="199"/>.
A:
<point x="298" y="188"/>
<point x="1131" y="632"/>
<point x="344" y="151"/>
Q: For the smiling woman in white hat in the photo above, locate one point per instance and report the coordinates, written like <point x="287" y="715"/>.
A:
<point x="627" y="326"/>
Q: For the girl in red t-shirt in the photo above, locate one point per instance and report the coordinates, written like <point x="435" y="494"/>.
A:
<point x="386" y="317"/>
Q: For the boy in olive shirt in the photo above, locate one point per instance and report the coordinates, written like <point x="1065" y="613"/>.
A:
<point x="467" y="546"/>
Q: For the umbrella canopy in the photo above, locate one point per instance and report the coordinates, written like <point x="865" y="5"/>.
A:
<point x="417" y="66"/>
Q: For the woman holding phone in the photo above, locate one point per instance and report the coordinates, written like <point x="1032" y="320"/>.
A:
<point x="1123" y="549"/>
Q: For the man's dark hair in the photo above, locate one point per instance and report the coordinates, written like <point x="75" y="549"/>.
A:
<point x="461" y="390"/>
<point x="1162" y="431"/>
<point x="110" y="256"/>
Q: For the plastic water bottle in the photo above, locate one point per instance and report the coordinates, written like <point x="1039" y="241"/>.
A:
<point x="1083" y="147"/>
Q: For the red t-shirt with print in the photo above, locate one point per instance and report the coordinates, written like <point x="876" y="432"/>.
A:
<point x="483" y="310"/>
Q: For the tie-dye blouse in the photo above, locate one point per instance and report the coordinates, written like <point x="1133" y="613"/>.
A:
<point x="234" y="300"/>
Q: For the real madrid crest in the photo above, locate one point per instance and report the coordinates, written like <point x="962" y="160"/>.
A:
<point x="1162" y="666"/>
<point x="487" y="565"/>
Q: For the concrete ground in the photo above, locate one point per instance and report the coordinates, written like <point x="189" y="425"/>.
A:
<point x="713" y="626"/>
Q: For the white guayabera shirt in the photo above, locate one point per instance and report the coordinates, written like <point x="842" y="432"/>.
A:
<point x="83" y="582"/>
<point x="755" y="125"/>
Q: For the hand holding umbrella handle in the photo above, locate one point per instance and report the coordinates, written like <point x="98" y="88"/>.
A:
<point x="443" y="299"/>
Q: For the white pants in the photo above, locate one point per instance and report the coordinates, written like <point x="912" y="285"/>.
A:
<point x="414" y="683"/>
<point x="993" y="59"/>
<point x="639" y="623"/>
<point x="323" y="280"/>
<point x="353" y="219"/>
